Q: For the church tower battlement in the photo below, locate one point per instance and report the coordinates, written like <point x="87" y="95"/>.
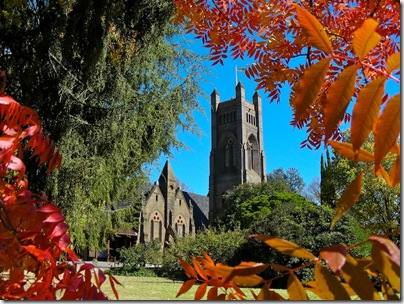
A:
<point x="237" y="156"/>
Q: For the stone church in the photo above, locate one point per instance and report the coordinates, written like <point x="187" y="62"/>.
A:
<point x="236" y="157"/>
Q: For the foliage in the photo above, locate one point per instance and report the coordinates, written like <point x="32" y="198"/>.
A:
<point x="220" y="244"/>
<point x="247" y="203"/>
<point x="305" y="224"/>
<point x="134" y="271"/>
<point x="112" y="87"/>
<point x="378" y="206"/>
<point x="290" y="180"/>
<point x="36" y="260"/>
<point x="338" y="65"/>
<point x="140" y="255"/>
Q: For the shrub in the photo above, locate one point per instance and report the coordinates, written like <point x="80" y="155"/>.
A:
<point x="221" y="245"/>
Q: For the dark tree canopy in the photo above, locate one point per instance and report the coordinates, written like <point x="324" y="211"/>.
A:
<point x="112" y="86"/>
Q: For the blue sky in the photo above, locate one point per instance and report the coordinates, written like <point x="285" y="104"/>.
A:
<point x="281" y="140"/>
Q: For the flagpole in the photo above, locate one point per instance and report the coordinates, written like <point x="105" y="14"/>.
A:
<point x="236" y="74"/>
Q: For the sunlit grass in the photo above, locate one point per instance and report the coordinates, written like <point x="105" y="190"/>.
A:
<point x="145" y="288"/>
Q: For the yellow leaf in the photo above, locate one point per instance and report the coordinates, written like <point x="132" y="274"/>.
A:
<point x="358" y="279"/>
<point x="313" y="29"/>
<point x="295" y="288"/>
<point x="286" y="247"/>
<point x="387" y="129"/>
<point x="365" y="38"/>
<point x="388" y="292"/>
<point x="306" y="91"/>
<point x="346" y="150"/>
<point x="348" y="198"/>
<point x="331" y="288"/>
<point x="395" y="172"/>
<point x="338" y="97"/>
<point x="384" y="264"/>
<point x="390" y="249"/>
<point x="266" y="294"/>
<point x="393" y="62"/>
<point x="365" y="111"/>
<point x="334" y="256"/>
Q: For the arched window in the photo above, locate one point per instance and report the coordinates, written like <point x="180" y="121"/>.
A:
<point x="180" y="226"/>
<point x="252" y="154"/>
<point x="229" y="154"/>
<point x="156" y="226"/>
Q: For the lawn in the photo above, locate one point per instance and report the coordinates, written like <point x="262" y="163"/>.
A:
<point x="149" y="288"/>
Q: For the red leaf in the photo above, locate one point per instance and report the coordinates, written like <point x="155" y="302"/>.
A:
<point x="334" y="256"/>
<point x="59" y="230"/>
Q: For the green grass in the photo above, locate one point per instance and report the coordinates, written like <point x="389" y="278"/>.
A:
<point x="149" y="288"/>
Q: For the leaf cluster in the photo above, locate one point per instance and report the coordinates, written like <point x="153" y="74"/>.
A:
<point x="37" y="262"/>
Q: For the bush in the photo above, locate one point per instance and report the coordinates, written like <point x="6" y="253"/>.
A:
<point x="305" y="224"/>
<point x="221" y="245"/>
<point x="133" y="271"/>
<point x="140" y="255"/>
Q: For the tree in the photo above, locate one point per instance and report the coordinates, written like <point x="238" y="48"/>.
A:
<point x="36" y="260"/>
<point x="337" y="65"/>
<point x="291" y="179"/>
<point x="112" y="86"/>
<point x="312" y="192"/>
<point x="378" y="206"/>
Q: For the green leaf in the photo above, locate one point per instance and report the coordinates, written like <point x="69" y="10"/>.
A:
<point x="365" y="38"/>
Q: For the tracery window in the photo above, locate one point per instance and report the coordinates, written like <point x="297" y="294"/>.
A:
<point x="229" y="154"/>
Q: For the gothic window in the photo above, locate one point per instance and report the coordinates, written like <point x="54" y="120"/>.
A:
<point x="252" y="154"/>
<point x="180" y="226"/>
<point x="180" y="202"/>
<point x="156" y="227"/>
<point x="229" y="154"/>
<point x="157" y="198"/>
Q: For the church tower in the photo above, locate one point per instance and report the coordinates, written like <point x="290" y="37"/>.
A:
<point x="237" y="154"/>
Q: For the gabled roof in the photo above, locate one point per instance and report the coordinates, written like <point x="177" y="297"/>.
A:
<point x="200" y="205"/>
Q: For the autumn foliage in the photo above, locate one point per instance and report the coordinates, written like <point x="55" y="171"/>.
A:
<point x="36" y="262"/>
<point x="338" y="58"/>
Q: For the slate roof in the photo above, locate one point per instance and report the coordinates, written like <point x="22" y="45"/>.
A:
<point x="200" y="205"/>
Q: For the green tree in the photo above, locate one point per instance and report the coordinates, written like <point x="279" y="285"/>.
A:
<point x="378" y="206"/>
<point x="287" y="181"/>
<point x="112" y="85"/>
<point x="302" y="223"/>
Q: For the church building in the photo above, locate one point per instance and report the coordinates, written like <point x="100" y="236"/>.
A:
<point x="236" y="157"/>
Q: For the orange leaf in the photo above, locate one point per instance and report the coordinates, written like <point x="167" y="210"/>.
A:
<point x="387" y="129"/>
<point x="358" y="279"/>
<point x="198" y="268"/>
<point x="338" y="97"/>
<point x="328" y="285"/>
<point x="348" y="198"/>
<point x="383" y="174"/>
<point x="285" y="247"/>
<point x="295" y="288"/>
<point x="185" y="287"/>
<point x="365" y="38"/>
<point x="200" y="291"/>
<point x="244" y="279"/>
<point x="189" y="271"/>
<point x="334" y="256"/>
<point x="247" y="272"/>
<point x="346" y="150"/>
<point x="393" y="62"/>
<point x="365" y="112"/>
<point x="313" y="29"/>
<point x="306" y="90"/>
<point x="388" y="247"/>
<point x="212" y="293"/>
<point x="395" y="172"/>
